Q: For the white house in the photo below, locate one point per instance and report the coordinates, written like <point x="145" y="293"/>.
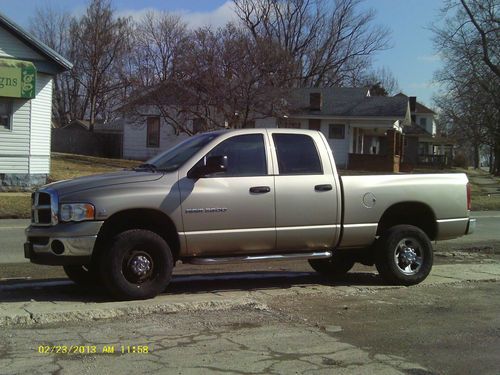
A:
<point x="364" y="131"/>
<point x="27" y="68"/>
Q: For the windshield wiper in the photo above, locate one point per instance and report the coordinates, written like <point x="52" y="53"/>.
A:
<point x="151" y="167"/>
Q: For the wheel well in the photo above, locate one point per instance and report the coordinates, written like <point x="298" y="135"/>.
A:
<point x="410" y="213"/>
<point x="153" y="220"/>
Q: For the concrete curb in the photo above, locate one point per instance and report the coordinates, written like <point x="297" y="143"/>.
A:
<point x="28" y="316"/>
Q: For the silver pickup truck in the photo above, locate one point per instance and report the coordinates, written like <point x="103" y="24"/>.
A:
<point x="243" y="195"/>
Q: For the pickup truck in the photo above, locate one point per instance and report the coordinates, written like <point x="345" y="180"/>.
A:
<point x="240" y="196"/>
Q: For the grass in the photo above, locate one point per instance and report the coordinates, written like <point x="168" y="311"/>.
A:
<point x="67" y="166"/>
<point x="63" y="167"/>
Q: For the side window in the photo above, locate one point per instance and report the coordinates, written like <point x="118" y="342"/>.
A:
<point x="5" y="114"/>
<point x="297" y="154"/>
<point x="246" y="155"/>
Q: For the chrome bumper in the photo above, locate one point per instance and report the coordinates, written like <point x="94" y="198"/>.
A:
<point x="471" y="226"/>
<point x="61" y="244"/>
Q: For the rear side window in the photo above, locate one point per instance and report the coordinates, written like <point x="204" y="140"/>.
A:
<point x="246" y="155"/>
<point x="297" y="154"/>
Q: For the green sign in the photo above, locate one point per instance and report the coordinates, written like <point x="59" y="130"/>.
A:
<point x="17" y="79"/>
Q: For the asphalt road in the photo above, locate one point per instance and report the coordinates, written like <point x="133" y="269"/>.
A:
<point x="12" y="235"/>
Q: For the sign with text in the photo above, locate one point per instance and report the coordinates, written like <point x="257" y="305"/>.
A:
<point x="17" y="79"/>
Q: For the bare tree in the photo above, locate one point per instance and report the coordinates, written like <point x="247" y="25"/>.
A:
<point x="469" y="42"/>
<point x="160" y="39"/>
<point x="220" y="77"/>
<point x="331" y="42"/>
<point x="102" y="42"/>
<point x="51" y="26"/>
<point x="97" y="43"/>
<point x="381" y="82"/>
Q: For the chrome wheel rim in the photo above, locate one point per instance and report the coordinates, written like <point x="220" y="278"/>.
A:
<point x="138" y="267"/>
<point x="408" y="256"/>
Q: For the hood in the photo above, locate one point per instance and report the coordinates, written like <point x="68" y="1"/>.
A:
<point x="101" y="180"/>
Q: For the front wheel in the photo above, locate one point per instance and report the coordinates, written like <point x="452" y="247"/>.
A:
<point x="83" y="275"/>
<point x="137" y="266"/>
<point x="404" y="255"/>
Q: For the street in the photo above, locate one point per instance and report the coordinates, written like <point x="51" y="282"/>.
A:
<point x="262" y="318"/>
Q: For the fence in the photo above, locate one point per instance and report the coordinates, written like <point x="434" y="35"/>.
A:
<point x="83" y="142"/>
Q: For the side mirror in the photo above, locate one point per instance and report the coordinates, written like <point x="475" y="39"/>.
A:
<point x="209" y="165"/>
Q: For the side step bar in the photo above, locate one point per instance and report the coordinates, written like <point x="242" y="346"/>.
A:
<point x="257" y="258"/>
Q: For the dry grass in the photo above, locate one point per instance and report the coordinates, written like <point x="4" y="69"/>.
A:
<point x="15" y="206"/>
<point x="66" y="166"/>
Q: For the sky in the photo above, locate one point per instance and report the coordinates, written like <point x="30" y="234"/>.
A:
<point x="412" y="58"/>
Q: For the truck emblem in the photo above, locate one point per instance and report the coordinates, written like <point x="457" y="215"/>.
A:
<point x="205" y="210"/>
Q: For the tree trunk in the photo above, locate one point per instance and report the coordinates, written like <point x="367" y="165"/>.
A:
<point x="476" y="156"/>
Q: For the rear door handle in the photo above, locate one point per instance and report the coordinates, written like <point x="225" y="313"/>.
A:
<point x="326" y="187"/>
<point x="260" y="189"/>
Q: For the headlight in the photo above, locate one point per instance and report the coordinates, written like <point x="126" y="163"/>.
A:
<point x="76" y="212"/>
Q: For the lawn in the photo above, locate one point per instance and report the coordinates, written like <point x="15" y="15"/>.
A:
<point x="63" y="167"/>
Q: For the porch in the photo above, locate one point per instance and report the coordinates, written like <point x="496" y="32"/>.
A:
<point x="376" y="150"/>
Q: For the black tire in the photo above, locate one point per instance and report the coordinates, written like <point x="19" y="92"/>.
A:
<point x="83" y="275"/>
<point x="404" y="255"/>
<point x="334" y="267"/>
<point x="137" y="266"/>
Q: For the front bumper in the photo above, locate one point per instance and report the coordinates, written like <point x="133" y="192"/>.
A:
<point x="62" y="244"/>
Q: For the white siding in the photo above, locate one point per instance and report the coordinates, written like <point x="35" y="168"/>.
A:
<point x="268" y="122"/>
<point x="41" y="112"/>
<point x="13" y="47"/>
<point x="14" y="143"/>
<point x="135" y="140"/>
<point x="26" y="147"/>
<point x="340" y="147"/>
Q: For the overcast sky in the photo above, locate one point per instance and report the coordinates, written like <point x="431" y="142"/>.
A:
<point x="412" y="59"/>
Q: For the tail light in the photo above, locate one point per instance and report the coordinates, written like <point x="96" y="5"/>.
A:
<point x="469" y="201"/>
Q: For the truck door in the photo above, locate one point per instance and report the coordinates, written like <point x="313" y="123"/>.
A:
<point x="232" y="212"/>
<point x="307" y="205"/>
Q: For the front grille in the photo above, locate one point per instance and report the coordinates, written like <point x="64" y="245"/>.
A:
<point x="44" y="208"/>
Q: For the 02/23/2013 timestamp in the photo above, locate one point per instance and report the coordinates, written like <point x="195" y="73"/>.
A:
<point x="94" y="349"/>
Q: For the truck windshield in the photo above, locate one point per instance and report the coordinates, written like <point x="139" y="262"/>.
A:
<point x="173" y="158"/>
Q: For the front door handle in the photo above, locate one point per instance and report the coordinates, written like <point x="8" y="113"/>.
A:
<point x="260" y="189"/>
<point x="326" y="187"/>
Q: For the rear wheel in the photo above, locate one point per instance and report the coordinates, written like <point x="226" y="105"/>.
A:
<point x="335" y="266"/>
<point x="137" y="266"/>
<point x="404" y="255"/>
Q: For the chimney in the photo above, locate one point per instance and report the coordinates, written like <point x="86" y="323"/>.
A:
<point x="413" y="103"/>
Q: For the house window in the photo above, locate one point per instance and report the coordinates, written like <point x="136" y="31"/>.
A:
<point x="315" y="124"/>
<point x="198" y="125"/>
<point x="423" y="122"/>
<point x="315" y="101"/>
<point x="5" y="114"/>
<point x="153" y="137"/>
<point x="336" y="131"/>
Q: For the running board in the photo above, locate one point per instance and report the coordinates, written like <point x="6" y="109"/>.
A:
<point x="257" y="258"/>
